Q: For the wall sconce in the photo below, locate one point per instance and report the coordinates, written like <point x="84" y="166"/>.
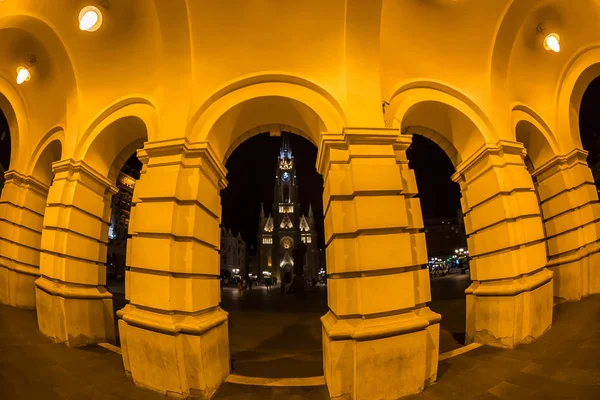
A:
<point x="551" y="40"/>
<point x="24" y="71"/>
<point x="90" y="17"/>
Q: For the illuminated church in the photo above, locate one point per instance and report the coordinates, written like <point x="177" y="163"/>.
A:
<point x="281" y="231"/>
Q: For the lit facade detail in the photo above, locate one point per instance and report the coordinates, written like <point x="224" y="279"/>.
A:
<point x="119" y="225"/>
<point x="233" y="253"/>
<point x="287" y="225"/>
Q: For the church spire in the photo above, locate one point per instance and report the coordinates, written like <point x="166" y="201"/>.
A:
<point x="310" y="211"/>
<point x="285" y="152"/>
<point x="262" y="210"/>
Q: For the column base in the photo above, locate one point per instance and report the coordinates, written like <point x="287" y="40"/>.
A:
<point x="74" y="315"/>
<point x="380" y="358"/>
<point x="593" y="269"/>
<point x="573" y="278"/>
<point x="17" y="286"/>
<point x="176" y="355"/>
<point x="509" y="312"/>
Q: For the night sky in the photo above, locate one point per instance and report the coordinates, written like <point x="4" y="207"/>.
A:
<point x="589" y="121"/>
<point x="4" y="142"/>
<point x="440" y="196"/>
<point x="251" y="176"/>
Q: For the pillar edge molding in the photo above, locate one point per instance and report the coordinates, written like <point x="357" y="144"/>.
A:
<point x="513" y="287"/>
<point x="356" y="136"/>
<point x="189" y="150"/>
<point x="561" y="162"/>
<point x="73" y="166"/>
<point x="69" y="290"/>
<point x="25" y="181"/>
<point x="498" y="149"/>
<point x="340" y="329"/>
<point x="173" y="323"/>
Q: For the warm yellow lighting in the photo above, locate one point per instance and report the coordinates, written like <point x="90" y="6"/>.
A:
<point x="90" y="19"/>
<point x="23" y="75"/>
<point x="552" y="42"/>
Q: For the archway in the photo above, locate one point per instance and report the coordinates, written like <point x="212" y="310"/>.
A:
<point x="444" y="227"/>
<point x="75" y="273"/>
<point x="274" y="329"/>
<point x="118" y="234"/>
<point x="5" y="147"/>
<point x="589" y="126"/>
<point x="567" y="184"/>
<point x="493" y="179"/>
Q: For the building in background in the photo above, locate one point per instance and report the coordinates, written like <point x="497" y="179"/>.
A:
<point x="444" y="235"/>
<point x="119" y="224"/>
<point x="234" y="253"/>
<point x="280" y="232"/>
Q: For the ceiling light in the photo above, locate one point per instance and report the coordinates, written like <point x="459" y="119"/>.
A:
<point x="23" y="75"/>
<point x="552" y="42"/>
<point x="90" y="19"/>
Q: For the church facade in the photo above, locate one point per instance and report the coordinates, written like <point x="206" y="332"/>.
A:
<point x="280" y="232"/>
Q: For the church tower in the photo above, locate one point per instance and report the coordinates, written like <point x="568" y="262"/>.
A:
<point x="280" y="233"/>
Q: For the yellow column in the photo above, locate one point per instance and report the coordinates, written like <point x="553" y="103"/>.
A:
<point x="510" y="299"/>
<point x="73" y="305"/>
<point x="21" y="214"/>
<point x="569" y="202"/>
<point x="174" y="335"/>
<point x="380" y="340"/>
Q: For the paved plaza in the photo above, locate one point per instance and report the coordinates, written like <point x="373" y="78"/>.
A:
<point x="563" y="364"/>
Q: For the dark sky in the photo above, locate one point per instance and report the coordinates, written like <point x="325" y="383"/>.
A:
<point x="251" y="176"/>
<point x="440" y="197"/>
<point x="4" y="142"/>
<point x="589" y="121"/>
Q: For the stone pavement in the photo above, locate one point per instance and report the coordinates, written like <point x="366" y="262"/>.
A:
<point x="563" y="364"/>
<point x="448" y="299"/>
<point x="273" y="335"/>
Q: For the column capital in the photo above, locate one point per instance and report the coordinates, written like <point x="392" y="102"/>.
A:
<point x="562" y="162"/>
<point x="69" y="167"/>
<point x="25" y="181"/>
<point x="500" y="149"/>
<point x="336" y="147"/>
<point x="187" y="154"/>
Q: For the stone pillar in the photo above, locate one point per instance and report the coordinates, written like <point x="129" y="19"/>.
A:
<point x="380" y="340"/>
<point x="174" y="335"/>
<point x="569" y="202"/>
<point x="510" y="299"/>
<point x="21" y="214"/>
<point x="73" y="305"/>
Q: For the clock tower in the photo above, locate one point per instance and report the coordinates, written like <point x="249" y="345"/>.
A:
<point x="280" y="233"/>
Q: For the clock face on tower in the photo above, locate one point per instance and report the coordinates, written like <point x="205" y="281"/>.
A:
<point x="286" y="177"/>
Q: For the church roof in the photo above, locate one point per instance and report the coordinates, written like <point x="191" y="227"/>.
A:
<point x="287" y="259"/>
<point x="286" y="222"/>
<point x="269" y="225"/>
<point x="304" y="224"/>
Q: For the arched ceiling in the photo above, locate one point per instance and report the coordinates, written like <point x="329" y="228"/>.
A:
<point x="180" y="54"/>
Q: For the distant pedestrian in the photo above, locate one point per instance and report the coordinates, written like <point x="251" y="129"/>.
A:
<point x="250" y="284"/>
<point x="240" y="288"/>
<point x="282" y="286"/>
